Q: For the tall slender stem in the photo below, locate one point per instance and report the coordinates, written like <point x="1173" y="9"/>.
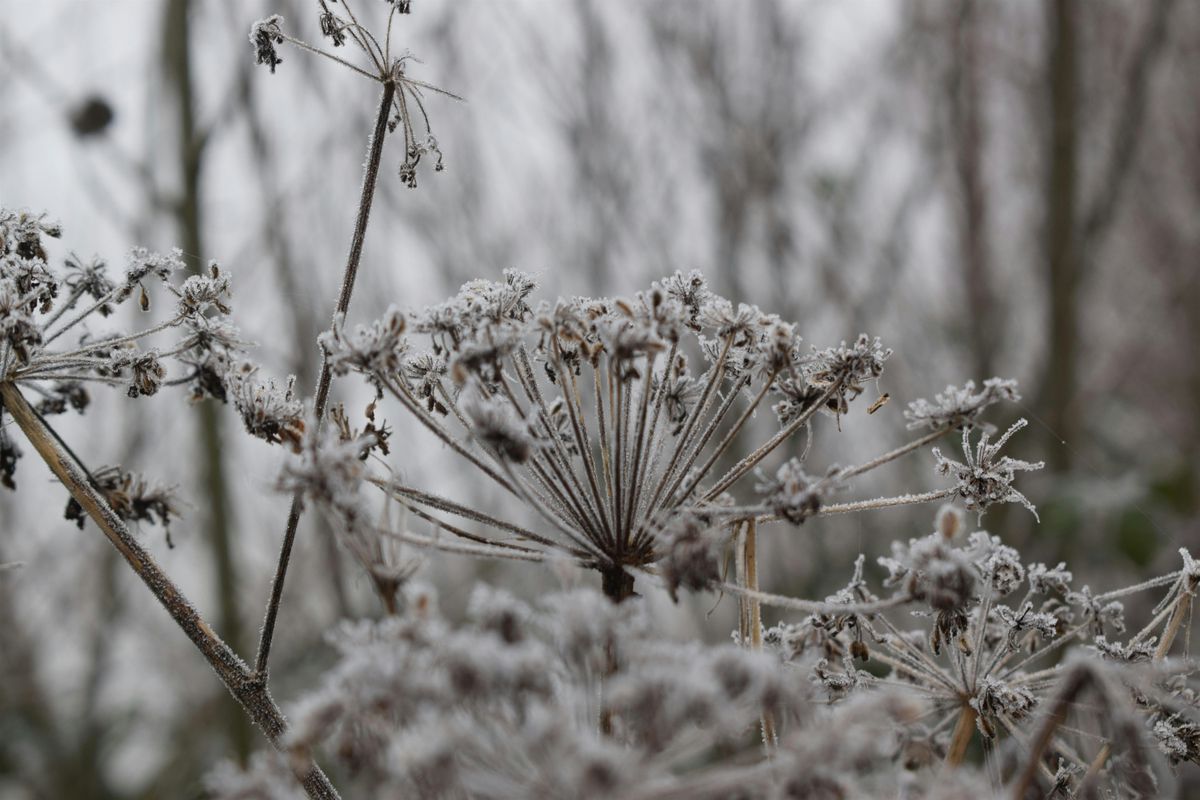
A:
<point x="248" y="688"/>
<point x="323" y="381"/>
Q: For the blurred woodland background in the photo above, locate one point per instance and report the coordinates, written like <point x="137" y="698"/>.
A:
<point x="995" y="188"/>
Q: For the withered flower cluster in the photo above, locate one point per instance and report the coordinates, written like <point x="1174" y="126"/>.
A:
<point x="60" y="336"/>
<point x="615" y="420"/>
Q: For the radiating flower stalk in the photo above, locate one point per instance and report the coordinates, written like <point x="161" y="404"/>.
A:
<point x="590" y="414"/>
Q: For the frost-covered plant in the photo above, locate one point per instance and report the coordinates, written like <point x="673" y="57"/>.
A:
<point x="506" y="705"/>
<point x="986" y="478"/>
<point x="43" y="307"/>
<point x="591" y="413"/>
<point x="618" y="425"/>
<point x="59" y="339"/>
<point x="987" y="649"/>
<point x="403" y="93"/>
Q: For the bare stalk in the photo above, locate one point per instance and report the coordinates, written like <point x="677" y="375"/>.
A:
<point x="1183" y="606"/>
<point x="750" y="551"/>
<point x="323" y="381"/>
<point x="963" y="731"/>
<point x="247" y="687"/>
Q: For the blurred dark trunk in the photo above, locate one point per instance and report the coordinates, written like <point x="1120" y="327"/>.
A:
<point x="966" y="95"/>
<point x="176" y="55"/>
<point x="1062" y="261"/>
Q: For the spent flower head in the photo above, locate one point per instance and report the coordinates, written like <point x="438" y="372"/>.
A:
<point x="984" y="477"/>
<point x="588" y="411"/>
<point x="377" y="61"/>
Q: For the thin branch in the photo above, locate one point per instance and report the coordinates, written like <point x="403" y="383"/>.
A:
<point x="370" y="175"/>
<point x="247" y="688"/>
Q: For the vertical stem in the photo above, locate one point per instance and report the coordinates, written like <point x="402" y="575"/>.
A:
<point x="1093" y="769"/>
<point x="323" y="381"/>
<point x="617" y="584"/>
<point x="767" y="719"/>
<point x="1062" y="257"/>
<point x="618" y="587"/>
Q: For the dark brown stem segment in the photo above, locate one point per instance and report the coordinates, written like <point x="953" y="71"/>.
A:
<point x="245" y="686"/>
<point x="617" y="584"/>
<point x="618" y="587"/>
<point x="323" y="381"/>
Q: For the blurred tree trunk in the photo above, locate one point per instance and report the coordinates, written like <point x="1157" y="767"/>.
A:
<point x="1075" y="227"/>
<point x="176" y="55"/>
<point x="1062" y="262"/>
<point x="966" y="91"/>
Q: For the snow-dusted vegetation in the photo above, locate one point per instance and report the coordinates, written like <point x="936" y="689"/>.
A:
<point x="571" y="524"/>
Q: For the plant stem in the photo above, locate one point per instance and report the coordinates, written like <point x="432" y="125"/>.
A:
<point x="618" y="587"/>
<point x="766" y="719"/>
<point x="963" y="731"/>
<point x="1183" y="606"/>
<point x="323" y="381"/>
<point x="246" y="687"/>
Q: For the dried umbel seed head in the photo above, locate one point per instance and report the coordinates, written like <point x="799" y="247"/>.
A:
<point x="496" y="425"/>
<point x="844" y="369"/>
<point x="200" y="293"/>
<point x="932" y="571"/>
<point x="378" y="349"/>
<point x="793" y="494"/>
<point x="960" y="407"/>
<point x="133" y="498"/>
<point x="146" y="373"/>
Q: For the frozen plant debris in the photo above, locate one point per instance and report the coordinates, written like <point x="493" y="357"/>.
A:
<point x="264" y="36"/>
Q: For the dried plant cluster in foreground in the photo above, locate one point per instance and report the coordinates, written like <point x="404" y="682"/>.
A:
<point x="621" y="432"/>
